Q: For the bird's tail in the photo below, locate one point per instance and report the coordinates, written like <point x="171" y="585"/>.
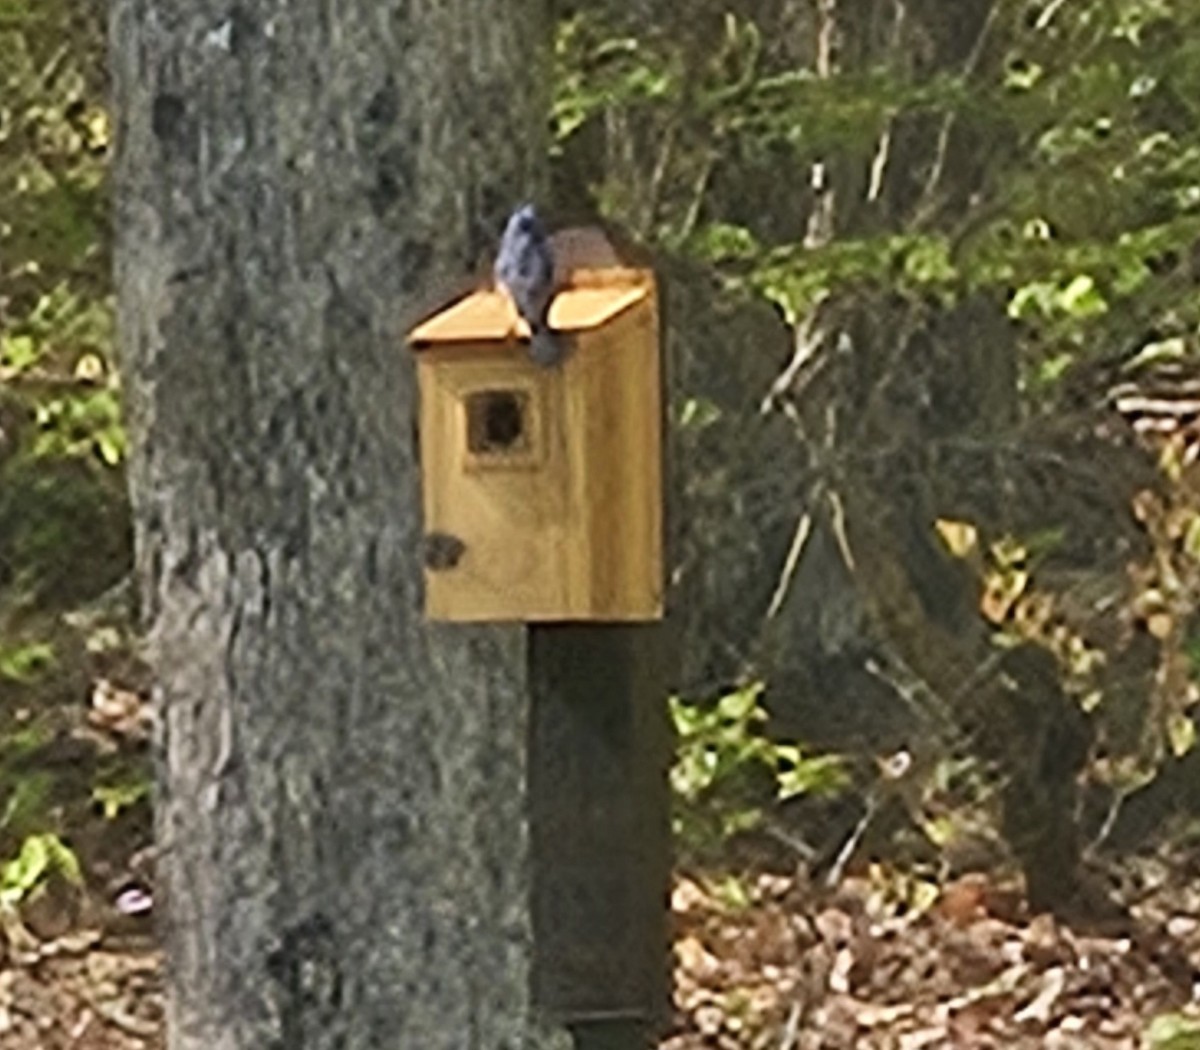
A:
<point x="546" y="346"/>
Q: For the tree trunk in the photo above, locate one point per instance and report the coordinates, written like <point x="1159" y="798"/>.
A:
<point x="908" y="385"/>
<point x="341" y="813"/>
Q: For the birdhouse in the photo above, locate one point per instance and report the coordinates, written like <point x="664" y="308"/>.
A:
<point x="542" y="486"/>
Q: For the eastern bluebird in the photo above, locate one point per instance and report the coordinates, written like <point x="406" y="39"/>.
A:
<point x="525" y="270"/>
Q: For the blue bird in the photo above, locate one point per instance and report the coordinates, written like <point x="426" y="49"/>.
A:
<point x="525" y="270"/>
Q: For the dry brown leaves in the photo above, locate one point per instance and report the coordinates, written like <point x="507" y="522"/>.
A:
<point x="77" y="992"/>
<point x="792" y="967"/>
<point x="806" y="969"/>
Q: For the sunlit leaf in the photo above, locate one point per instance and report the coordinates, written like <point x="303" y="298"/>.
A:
<point x="113" y="799"/>
<point x="40" y="856"/>
<point x="1181" y="732"/>
<point x="1081" y="297"/>
<point x="1173" y="1032"/>
<point x="24" y="663"/>
<point x="17" y="353"/>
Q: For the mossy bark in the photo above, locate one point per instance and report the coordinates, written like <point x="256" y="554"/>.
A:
<point x="341" y="807"/>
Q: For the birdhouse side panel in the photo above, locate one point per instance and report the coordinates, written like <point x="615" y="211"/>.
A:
<point x="492" y="461"/>
<point x="615" y="407"/>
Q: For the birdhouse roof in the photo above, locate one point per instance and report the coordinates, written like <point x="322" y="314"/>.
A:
<point x="488" y="316"/>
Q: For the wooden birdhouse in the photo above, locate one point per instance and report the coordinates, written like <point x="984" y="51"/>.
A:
<point x="542" y="486"/>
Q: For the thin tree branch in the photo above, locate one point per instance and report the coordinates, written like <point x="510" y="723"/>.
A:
<point x="925" y="206"/>
<point x="799" y="541"/>
<point x="809" y="339"/>
<point x="879" y="164"/>
<point x="883" y="152"/>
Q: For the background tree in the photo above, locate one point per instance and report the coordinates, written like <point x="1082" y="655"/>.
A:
<point x="930" y="198"/>
<point x="341" y="814"/>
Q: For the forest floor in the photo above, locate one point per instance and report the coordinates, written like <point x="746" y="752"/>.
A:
<point x="883" y="961"/>
<point x="886" y="959"/>
<point x="767" y="961"/>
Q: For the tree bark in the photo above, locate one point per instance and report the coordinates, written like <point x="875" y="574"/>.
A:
<point x="341" y="810"/>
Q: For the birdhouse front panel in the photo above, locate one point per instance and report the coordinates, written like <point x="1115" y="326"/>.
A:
<point x="492" y="445"/>
<point x="542" y="486"/>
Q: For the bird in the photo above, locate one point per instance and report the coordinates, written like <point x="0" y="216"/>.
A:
<point x="524" y="269"/>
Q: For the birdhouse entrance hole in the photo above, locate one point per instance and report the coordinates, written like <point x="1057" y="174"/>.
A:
<point x="497" y="422"/>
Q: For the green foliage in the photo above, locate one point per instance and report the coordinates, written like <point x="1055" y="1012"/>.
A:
<point x="55" y="302"/>
<point x="81" y="424"/>
<point x="1085" y="115"/>
<point x="115" y="797"/>
<point x="41" y="856"/>
<point x="596" y="72"/>
<point x="24" y="663"/>
<point x="26" y="788"/>
<point x="28" y="800"/>
<point x="64" y="517"/>
<point x="1173" y="1032"/>
<point x="726" y="771"/>
<point x="1049" y="166"/>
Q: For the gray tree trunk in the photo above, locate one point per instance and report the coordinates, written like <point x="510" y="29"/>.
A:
<point x="341" y="812"/>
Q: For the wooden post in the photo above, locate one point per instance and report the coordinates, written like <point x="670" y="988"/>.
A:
<point x="612" y="1035"/>
<point x="600" y="750"/>
<point x="599" y="753"/>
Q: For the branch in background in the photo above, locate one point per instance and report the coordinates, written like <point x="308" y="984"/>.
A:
<point x="820" y="223"/>
<point x="883" y="152"/>
<point x="809" y="340"/>
<point x="657" y="177"/>
<point x="918" y="695"/>
<point x="1047" y="15"/>
<point x="926" y="205"/>
<point x="699" y="189"/>
<point x="838" y="868"/>
<point x="799" y="540"/>
<point x="38" y="381"/>
<point x="879" y="164"/>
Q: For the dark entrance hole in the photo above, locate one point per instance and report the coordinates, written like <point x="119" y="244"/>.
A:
<point x="496" y="422"/>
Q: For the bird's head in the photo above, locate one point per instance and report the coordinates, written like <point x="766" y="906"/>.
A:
<point x="525" y="220"/>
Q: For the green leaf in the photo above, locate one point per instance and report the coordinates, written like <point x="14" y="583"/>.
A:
<point x="115" y="798"/>
<point x="1181" y="733"/>
<point x="740" y="706"/>
<point x="110" y="443"/>
<point x="1191" y="538"/>
<point x="1081" y="297"/>
<point x="1053" y="369"/>
<point x="723" y="242"/>
<point x="1173" y="1032"/>
<point x="26" y="663"/>
<point x="17" y="353"/>
<point x="26" y="801"/>
<point x="699" y="413"/>
<point x="40" y="857"/>
<point x="798" y="775"/>
<point x="927" y="261"/>
<point x="732" y="892"/>
<point x="1021" y="76"/>
<point x="1031" y="299"/>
